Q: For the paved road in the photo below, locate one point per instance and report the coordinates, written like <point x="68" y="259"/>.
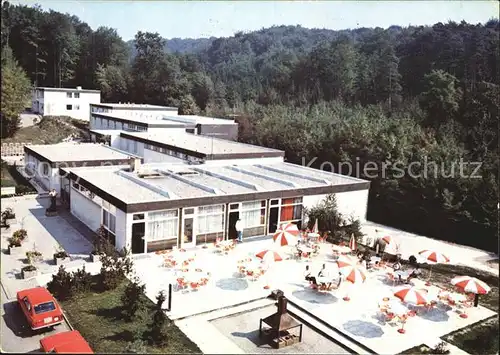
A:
<point x="16" y="337"/>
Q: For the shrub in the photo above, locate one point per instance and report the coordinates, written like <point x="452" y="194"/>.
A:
<point x="132" y="298"/>
<point x="60" y="253"/>
<point x="22" y="234"/>
<point x="115" y="268"/>
<point x="14" y="242"/>
<point x="354" y="228"/>
<point x="8" y="213"/>
<point x="327" y="214"/>
<point x="158" y="335"/>
<point x="33" y="255"/>
<point x="81" y="281"/>
<point x="138" y="346"/>
<point x="441" y="348"/>
<point x="61" y="285"/>
<point x="29" y="268"/>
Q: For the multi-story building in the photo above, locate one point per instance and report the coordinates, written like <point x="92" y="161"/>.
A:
<point x="74" y="103"/>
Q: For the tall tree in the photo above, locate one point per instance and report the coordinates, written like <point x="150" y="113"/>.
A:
<point x="15" y="93"/>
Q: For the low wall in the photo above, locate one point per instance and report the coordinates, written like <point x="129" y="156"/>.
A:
<point x="11" y="190"/>
<point x="13" y="149"/>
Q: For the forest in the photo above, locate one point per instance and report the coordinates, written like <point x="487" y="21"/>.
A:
<point x="420" y="100"/>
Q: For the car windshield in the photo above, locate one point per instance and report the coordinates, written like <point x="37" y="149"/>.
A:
<point x="45" y="307"/>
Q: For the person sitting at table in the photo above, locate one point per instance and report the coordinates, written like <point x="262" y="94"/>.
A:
<point x="323" y="272"/>
<point x="308" y="277"/>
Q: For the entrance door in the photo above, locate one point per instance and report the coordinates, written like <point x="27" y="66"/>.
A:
<point x="138" y="232"/>
<point x="188" y="239"/>
<point x="233" y="217"/>
<point x="273" y="219"/>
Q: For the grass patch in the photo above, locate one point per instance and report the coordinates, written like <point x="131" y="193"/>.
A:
<point x="12" y="177"/>
<point x="98" y="316"/>
<point x="479" y="338"/>
<point x="420" y="349"/>
<point x="50" y="130"/>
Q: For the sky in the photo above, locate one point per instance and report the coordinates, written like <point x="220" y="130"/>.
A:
<point x="194" y="19"/>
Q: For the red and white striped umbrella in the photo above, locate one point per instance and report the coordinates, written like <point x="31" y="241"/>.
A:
<point x="354" y="273"/>
<point x="269" y="256"/>
<point x="434" y="256"/>
<point x="387" y="239"/>
<point x="411" y="295"/>
<point x="471" y="284"/>
<point x="345" y="261"/>
<point x="352" y="243"/>
<point x="286" y="235"/>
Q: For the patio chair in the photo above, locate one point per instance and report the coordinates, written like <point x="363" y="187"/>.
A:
<point x="181" y="284"/>
<point x="194" y="286"/>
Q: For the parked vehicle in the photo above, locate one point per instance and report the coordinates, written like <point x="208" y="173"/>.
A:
<point x="70" y="342"/>
<point x="40" y="308"/>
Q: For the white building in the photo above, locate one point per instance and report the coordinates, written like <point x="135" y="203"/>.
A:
<point x="153" y="207"/>
<point x="42" y="162"/>
<point x="74" y="103"/>
<point x="140" y="111"/>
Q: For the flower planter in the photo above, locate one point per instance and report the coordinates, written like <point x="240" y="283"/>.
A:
<point x="61" y="261"/>
<point x="29" y="274"/>
<point x="16" y="251"/>
<point x="95" y="258"/>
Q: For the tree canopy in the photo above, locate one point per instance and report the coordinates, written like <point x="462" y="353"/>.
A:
<point x="395" y="96"/>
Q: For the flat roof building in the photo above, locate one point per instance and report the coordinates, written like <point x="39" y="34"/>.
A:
<point x="42" y="162"/>
<point x="72" y="102"/>
<point x="155" y="206"/>
<point x="192" y="147"/>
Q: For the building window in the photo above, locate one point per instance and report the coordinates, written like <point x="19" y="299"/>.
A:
<point x="253" y="214"/>
<point x="77" y="95"/>
<point x="109" y="216"/>
<point x="45" y="170"/>
<point x="210" y="219"/>
<point x="138" y="217"/>
<point x="69" y="107"/>
<point x="291" y="209"/>
<point x="163" y="225"/>
<point x="77" y="107"/>
<point x="69" y="95"/>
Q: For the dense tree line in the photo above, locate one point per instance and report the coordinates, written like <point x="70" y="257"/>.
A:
<point x="394" y="96"/>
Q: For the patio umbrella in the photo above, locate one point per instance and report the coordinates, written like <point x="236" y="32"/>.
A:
<point x="471" y="285"/>
<point x="286" y="235"/>
<point x="411" y="295"/>
<point x="269" y="257"/>
<point x="315" y="227"/>
<point x="387" y="239"/>
<point x="433" y="257"/>
<point x="352" y="243"/>
<point x="345" y="261"/>
<point x="354" y="274"/>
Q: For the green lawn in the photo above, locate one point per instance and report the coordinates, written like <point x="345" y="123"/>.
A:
<point x="98" y="316"/>
<point x="50" y="130"/>
<point x="7" y="179"/>
<point x="11" y="177"/>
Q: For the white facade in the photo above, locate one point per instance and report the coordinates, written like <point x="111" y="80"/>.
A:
<point x="133" y="111"/>
<point x="74" y="103"/>
<point x="42" y="172"/>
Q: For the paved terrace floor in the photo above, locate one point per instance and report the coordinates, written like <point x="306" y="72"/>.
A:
<point x="357" y="318"/>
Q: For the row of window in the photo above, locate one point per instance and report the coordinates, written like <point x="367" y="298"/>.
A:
<point x="166" y="151"/>
<point x="72" y="107"/>
<point x="112" y="124"/>
<point x="99" y="109"/>
<point x="75" y="95"/>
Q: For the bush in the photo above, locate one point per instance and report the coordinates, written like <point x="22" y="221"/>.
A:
<point x="29" y="268"/>
<point x="14" y="242"/>
<point x="33" y="255"/>
<point x="60" y="253"/>
<point x="158" y="335"/>
<point x="22" y="234"/>
<point x="8" y="213"/>
<point x="132" y="298"/>
<point x="327" y="214"/>
<point x="81" y="281"/>
<point x="115" y="268"/>
<point x="354" y="228"/>
<point x="61" y="285"/>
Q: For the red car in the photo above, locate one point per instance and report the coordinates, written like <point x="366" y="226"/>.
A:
<point x="70" y="342"/>
<point x="40" y="308"/>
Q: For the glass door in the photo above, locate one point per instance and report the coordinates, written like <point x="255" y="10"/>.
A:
<point x="188" y="238"/>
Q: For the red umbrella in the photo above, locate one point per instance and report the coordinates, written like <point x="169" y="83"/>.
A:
<point x="387" y="239"/>
<point x="286" y="235"/>
<point x="345" y="261"/>
<point x="269" y="255"/>
<point x="472" y="285"/>
<point x="354" y="274"/>
<point x="433" y="257"/>
<point x="411" y="295"/>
